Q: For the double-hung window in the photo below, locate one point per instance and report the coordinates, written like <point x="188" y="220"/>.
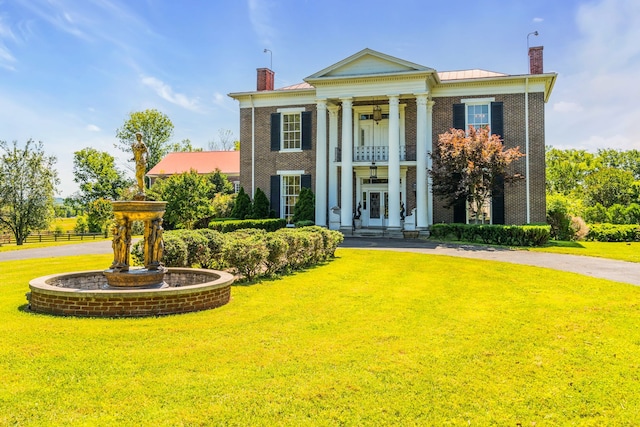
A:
<point x="289" y="195"/>
<point x="291" y="129"/>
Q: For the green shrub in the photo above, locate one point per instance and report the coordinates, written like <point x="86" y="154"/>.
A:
<point x="263" y="224"/>
<point x="222" y="205"/>
<point x="197" y="247"/>
<point x="260" y="208"/>
<point x="245" y="253"/>
<point x="508" y="235"/>
<point x="277" y="246"/>
<point x="614" y="232"/>
<point x="242" y="206"/>
<point x="174" y="254"/>
<point x="558" y="218"/>
<point x="215" y="242"/>
<point x="305" y="207"/>
<point x="304" y="223"/>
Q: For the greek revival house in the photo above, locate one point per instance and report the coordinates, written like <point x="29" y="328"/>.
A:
<point x="359" y="134"/>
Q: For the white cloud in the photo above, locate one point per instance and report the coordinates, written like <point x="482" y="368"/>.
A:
<point x="166" y="92"/>
<point x="93" y="128"/>
<point x="260" y="18"/>
<point x="537" y="20"/>
<point x="594" y="104"/>
<point x="567" y="107"/>
<point x="6" y="57"/>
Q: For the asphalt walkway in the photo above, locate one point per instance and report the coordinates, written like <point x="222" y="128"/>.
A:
<point x="619" y="271"/>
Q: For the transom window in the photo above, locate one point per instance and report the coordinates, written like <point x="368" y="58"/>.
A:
<point x="478" y="115"/>
<point x="290" y="193"/>
<point x="291" y="131"/>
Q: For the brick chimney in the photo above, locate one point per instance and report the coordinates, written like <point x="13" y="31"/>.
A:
<point x="265" y="79"/>
<point x="535" y="60"/>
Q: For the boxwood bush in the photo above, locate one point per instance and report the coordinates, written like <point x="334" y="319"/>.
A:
<point x="508" y="235"/>
<point x="250" y="252"/>
<point x="271" y="224"/>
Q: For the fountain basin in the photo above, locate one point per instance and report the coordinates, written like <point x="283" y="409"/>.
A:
<point x="87" y="294"/>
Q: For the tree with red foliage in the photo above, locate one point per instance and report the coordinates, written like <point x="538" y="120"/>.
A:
<point x="468" y="166"/>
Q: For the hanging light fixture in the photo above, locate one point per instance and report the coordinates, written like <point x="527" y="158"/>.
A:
<point x="377" y="112"/>
<point x="373" y="170"/>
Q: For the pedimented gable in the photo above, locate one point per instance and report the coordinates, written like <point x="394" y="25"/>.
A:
<point x="369" y="62"/>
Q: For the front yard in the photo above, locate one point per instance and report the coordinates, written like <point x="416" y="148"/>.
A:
<point x="421" y="340"/>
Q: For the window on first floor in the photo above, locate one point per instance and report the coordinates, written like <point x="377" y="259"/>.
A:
<point x="480" y="215"/>
<point x="289" y="195"/>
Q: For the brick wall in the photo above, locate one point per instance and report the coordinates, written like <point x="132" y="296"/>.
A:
<point x="189" y="290"/>
<point x="514" y="135"/>
<point x="267" y="161"/>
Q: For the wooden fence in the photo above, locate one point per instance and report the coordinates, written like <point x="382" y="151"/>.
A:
<point x="52" y="237"/>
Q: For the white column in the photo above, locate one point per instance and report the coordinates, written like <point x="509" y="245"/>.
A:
<point x="321" y="163"/>
<point x="394" y="162"/>
<point x="333" y="145"/>
<point x="421" y="162"/>
<point x="429" y="161"/>
<point x="346" y="190"/>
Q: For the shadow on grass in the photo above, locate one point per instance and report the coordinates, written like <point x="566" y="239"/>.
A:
<point x="564" y="244"/>
<point x="382" y="243"/>
<point x="240" y="281"/>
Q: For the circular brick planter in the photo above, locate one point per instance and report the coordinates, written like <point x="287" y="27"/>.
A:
<point x="87" y="294"/>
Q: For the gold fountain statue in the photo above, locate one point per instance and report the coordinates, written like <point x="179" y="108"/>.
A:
<point x="119" y="275"/>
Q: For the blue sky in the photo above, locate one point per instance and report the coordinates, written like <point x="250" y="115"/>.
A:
<point x="72" y="70"/>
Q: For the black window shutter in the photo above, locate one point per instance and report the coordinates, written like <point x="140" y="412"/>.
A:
<point x="305" y="181"/>
<point x="497" y="199"/>
<point x="459" y="116"/>
<point x="460" y="212"/>
<point x="497" y="121"/>
<point x="275" y="131"/>
<point x="307" y="121"/>
<point x="275" y="194"/>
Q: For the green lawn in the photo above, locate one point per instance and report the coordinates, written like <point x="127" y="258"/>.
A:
<point x="422" y="340"/>
<point x="615" y="250"/>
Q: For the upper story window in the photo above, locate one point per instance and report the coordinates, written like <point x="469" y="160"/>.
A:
<point x="291" y="131"/>
<point x="478" y="115"/>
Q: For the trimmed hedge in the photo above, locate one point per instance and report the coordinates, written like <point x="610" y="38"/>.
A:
<point x="249" y="252"/>
<point x="271" y="224"/>
<point x="507" y="235"/>
<point x="614" y="232"/>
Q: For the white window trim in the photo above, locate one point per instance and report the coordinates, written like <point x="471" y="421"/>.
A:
<point x="477" y="101"/>
<point x="290" y="110"/>
<point x="290" y="172"/>
<point x="283" y="174"/>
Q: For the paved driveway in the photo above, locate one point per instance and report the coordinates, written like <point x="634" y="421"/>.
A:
<point x="620" y="271"/>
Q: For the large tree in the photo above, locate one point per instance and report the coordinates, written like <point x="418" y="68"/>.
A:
<point x="28" y="182"/>
<point x="468" y="166"/>
<point x="156" y="128"/>
<point x="567" y="170"/>
<point x="97" y="175"/>
<point x="609" y="186"/>
<point x="187" y="196"/>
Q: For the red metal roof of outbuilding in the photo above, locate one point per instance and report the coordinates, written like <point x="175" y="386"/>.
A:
<point x="203" y="162"/>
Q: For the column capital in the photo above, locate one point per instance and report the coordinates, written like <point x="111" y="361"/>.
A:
<point x="347" y="101"/>
<point x="421" y="98"/>
<point x="430" y="105"/>
<point x="321" y="103"/>
<point x="394" y="100"/>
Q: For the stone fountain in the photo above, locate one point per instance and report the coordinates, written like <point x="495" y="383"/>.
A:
<point x="122" y="291"/>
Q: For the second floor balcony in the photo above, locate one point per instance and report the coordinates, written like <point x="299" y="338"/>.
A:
<point x="368" y="154"/>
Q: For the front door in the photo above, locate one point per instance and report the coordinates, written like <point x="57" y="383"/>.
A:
<point x="378" y="213"/>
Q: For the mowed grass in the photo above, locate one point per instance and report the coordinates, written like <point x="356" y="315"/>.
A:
<point x="623" y="251"/>
<point x="371" y="338"/>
